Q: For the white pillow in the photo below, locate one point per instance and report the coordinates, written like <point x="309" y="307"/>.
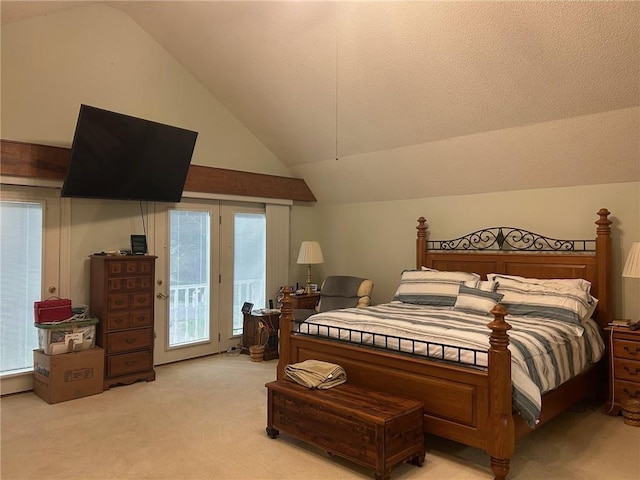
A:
<point x="579" y="283"/>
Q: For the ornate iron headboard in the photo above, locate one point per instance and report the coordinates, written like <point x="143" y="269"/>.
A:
<point x="510" y="238"/>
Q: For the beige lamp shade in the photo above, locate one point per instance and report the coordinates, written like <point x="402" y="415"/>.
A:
<point x="632" y="265"/>
<point x="310" y="253"/>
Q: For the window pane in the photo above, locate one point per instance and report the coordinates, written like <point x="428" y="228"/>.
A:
<point x="249" y="264"/>
<point x="20" y="282"/>
<point x="189" y="277"/>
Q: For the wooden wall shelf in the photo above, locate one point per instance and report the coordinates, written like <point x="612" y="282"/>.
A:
<point x="46" y="162"/>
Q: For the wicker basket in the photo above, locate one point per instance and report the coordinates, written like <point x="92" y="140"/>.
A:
<point x="631" y="412"/>
<point x="256" y="352"/>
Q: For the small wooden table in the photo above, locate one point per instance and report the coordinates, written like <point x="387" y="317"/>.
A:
<point x="373" y="429"/>
<point x="251" y="332"/>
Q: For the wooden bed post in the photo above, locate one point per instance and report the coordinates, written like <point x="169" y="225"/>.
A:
<point x="501" y="430"/>
<point x="286" y="316"/>
<point x="603" y="259"/>
<point x="421" y="242"/>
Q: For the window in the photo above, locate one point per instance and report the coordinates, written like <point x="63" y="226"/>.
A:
<point x="31" y="236"/>
<point x="21" y="247"/>
<point x="249" y="264"/>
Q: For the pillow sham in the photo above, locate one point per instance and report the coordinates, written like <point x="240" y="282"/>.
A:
<point x="431" y="287"/>
<point x="476" y="300"/>
<point x="558" y="302"/>
<point x="579" y="283"/>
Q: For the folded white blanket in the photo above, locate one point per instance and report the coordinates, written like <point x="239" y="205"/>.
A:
<point x="315" y="374"/>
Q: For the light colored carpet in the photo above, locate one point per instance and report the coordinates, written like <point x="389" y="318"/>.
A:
<point x="206" y="418"/>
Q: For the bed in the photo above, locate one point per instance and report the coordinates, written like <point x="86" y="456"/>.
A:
<point x="473" y="403"/>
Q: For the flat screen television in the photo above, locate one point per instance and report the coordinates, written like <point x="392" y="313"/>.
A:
<point x="119" y="157"/>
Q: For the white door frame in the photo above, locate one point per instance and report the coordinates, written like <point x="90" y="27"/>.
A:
<point x="160" y="248"/>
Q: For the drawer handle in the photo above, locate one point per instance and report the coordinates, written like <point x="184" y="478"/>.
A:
<point x="119" y="302"/>
<point x="140" y="318"/>
<point x="130" y="363"/>
<point x="118" y="320"/>
<point x="635" y="394"/>
<point x="630" y="370"/>
<point x="630" y="350"/>
<point x="130" y="340"/>
<point x="142" y="300"/>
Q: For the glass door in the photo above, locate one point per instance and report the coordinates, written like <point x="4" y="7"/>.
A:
<point x="211" y="260"/>
<point x="31" y="237"/>
<point x="186" y="310"/>
<point x="244" y="272"/>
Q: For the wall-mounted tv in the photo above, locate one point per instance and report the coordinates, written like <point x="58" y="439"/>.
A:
<point x="119" y="157"/>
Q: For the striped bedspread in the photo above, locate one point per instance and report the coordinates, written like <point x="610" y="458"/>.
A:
<point x="545" y="353"/>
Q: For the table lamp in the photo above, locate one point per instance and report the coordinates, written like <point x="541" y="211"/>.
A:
<point x="632" y="265"/>
<point x="310" y="254"/>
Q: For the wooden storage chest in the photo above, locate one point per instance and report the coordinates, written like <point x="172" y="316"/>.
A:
<point x="372" y="429"/>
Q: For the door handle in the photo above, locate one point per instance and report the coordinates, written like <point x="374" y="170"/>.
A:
<point x="161" y="296"/>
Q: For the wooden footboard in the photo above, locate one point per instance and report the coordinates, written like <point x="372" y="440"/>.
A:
<point x="471" y="406"/>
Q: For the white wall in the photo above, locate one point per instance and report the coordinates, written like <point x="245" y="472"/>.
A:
<point x="377" y="239"/>
<point x="98" y="56"/>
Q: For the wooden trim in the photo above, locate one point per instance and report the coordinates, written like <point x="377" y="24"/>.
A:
<point x="42" y="161"/>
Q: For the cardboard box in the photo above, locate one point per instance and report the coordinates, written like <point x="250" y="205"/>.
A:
<point x="57" y="378"/>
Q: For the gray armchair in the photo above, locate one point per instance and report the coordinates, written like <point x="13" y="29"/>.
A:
<point x="339" y="291"/>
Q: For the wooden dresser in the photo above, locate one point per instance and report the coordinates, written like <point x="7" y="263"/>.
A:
<point x="373" y="429"/>
<point x="121" y="296"/>
<point x="625" y="367"/>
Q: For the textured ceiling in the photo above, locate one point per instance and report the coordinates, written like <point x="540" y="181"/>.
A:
<point x="310" y="79"/>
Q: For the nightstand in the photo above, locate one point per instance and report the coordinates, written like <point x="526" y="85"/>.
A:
<point x="250" y="331"/>
<point x="624" y="367"/>
<point x="305" y="300"/>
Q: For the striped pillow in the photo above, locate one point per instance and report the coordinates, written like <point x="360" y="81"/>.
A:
<point x="431" y="287"/>
<point x="476" y="300"/>
<point x="559" y="302"/>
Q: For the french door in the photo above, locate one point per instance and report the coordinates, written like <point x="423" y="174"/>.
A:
<point x="211" y="258"/>
<point x="33" y="245"/>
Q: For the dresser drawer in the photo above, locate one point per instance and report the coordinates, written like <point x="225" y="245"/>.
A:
<point x="118" y="321"/>
<point x="626" y="390"/>
<point x="626" y="369"/>
<point x="136" y="267"/>
<point x="129" y="363"/>
<point x="141" y="318"/>
<point x="118" y="301"/>
<point x="624" y="348"/>
<point x="139" y="300"/>
<point x="129" y="340"/>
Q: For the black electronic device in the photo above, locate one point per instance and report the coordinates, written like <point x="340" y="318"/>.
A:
<point x="120" y="157"/>
<point x="138" y="244"/>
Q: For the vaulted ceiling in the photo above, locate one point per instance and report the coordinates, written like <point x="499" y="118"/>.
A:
<point x="318" y="80"/>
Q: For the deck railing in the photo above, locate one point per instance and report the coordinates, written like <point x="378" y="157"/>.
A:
<point x="189" y="309"/>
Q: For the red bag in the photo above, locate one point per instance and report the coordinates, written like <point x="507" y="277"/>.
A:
<point x="52" y="310"/>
